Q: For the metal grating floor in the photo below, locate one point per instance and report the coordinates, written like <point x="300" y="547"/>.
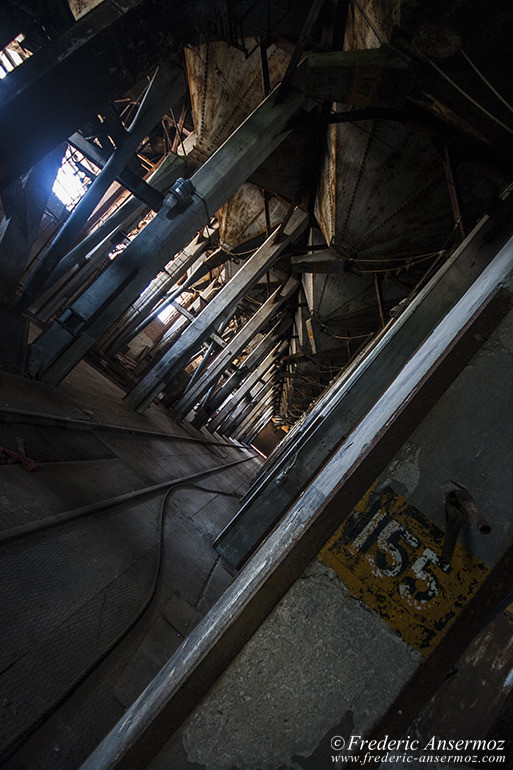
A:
<point x="48" y="443"/>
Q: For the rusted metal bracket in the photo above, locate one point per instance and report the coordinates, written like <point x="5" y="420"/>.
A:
<point x="456" y="515"/>
<point x="459" y="508"/>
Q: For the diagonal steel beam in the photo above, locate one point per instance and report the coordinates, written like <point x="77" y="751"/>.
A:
<point x="166" y="87"/>
<point x="154" y="300"/>
<point x="249" y="364"/>
<point x="235" y="347"/>
<point x="256" y="402"/>
<point x="122" y="220"/>
<point x="264" y="405"/>
<point x="246" y="400"/>
<point x="232" y="403"/>
<point x="308" y="446"/>
<point x="57" y="350"/>
<point x="222" y="306"/>
<point x="24" y="202"/>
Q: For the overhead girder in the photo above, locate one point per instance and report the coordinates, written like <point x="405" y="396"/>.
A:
<point x="153" y="301"/>
<point x="59" y="348"/>
<point x="257" y="400"/>
<point x="253" y="424"/>
<point x="164" y="90"/>
<point x="74" y="77"/>
<point x="24" y="202"/>
<point x="237" y="397"/>
<point x="249" y="364"/>
<point x="220" y="307"/>
<point x="122" y="220"/>
<point x="265" y="418"/>
<point x="247" y="403"/>
<point x="185" y="316"/>
<point x="265" y="312"/>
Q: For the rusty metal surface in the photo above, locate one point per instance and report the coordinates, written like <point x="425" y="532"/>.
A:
<point x="225" y="87"/>
<point x="383" y="15"/>
<point x="382" y="192"/>
<point x="243" y="217"/>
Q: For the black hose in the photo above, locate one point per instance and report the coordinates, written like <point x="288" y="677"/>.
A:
<point x="18" y="743"/>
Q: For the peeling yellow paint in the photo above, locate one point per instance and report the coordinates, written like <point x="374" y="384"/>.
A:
<point x="387" y="554"/>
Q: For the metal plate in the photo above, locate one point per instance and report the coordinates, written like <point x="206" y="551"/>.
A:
<point x="387" y="553"/>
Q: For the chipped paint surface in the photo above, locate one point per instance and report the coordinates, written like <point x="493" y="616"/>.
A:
<point x="406" y="471"/>
<point x="386" y="553"/>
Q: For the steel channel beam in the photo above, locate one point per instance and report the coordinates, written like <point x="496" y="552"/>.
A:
<point x="123" y="219"/>
<point x="234" y="400"/>
<point x="248" y="365"/>
<point x="259" y="399"/>
<point x="145" y="313"/>
<point x="260" y="413"/>
<point x="251" y="436"/>
<point x="351" y="396"/>
<point x="233" y="403"/>
<point x="252" y="430"/>
<point x="246" y="403"/>
<point x="219" y="308"/>
<point x="57" y="350"/>
<point x="234" y="348"/>
<point x="178" y="326"/>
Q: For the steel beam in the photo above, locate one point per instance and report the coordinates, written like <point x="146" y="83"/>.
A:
<point x="204" y="656"/>
<point x="181" y="323"/>
<point x="166" y="87"/>
<point x="251" y="436"/>
<point x="326" y="261"/>
<point x="256" y="426"/>
<point x="376" y="77"/>
<point x="221" y="307"/>
<point x="249" y="364"/>
<point x="246" y="402"/>
<point x="265" y="404"/>
<point x="24" y="202"/>
<point x="73" y="78"/>
<point x="257" y="401"/>
<point x="216" y="424"/>
<point x="57" y="350"/>
<point x="122" y="220"/>
<point x="194" y="393"/>
<point x="154" y="300"/>
<point x="345" y="403"/>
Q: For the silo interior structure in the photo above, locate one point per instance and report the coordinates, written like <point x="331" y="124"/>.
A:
<point x="255" y="377"/>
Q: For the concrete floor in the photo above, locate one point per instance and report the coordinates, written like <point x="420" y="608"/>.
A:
<point x="72" y="659"/>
